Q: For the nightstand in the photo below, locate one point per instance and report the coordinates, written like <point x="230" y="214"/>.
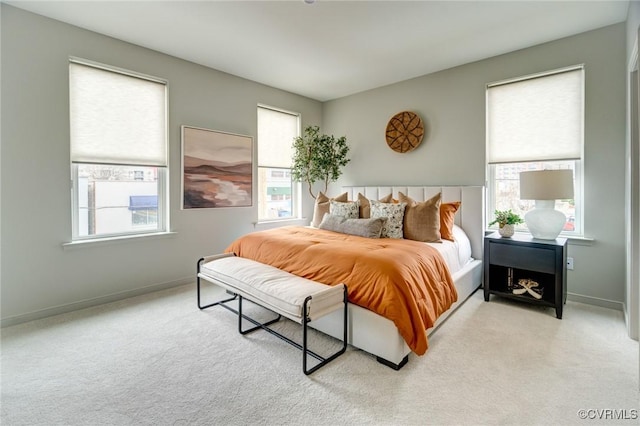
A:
<point x="526" y="269"/>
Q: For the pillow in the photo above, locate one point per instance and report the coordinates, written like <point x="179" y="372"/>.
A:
<point x="447" y="214"/>
<point x="422" y="220"/>
<point x="350" y="209"/>
<point x="464" y="245"/>
<point x="394" y="214"/>
<point x="322" y="206"/>
<point x="368" y="228"/>
<point x="365" y="208"/>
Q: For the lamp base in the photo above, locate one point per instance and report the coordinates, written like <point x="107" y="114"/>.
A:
<point x="544" y="221"/>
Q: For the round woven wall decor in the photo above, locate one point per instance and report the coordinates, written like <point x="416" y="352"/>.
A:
<point x="404" y="131"/>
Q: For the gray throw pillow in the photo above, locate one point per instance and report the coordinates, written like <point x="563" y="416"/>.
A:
<point x="368" y="228"/>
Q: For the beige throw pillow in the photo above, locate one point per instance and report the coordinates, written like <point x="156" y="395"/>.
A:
<point x="322" y="206"/>
<point x="365" y="206"/>
<point x="422" y="219"/>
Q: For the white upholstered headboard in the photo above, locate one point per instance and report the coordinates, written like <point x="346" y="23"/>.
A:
<point x="469" y="217"/>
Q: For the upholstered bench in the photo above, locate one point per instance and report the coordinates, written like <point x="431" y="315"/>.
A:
<point x="299" y="299"/>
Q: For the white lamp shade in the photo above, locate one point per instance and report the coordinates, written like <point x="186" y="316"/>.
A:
<point x="546" y="185"/>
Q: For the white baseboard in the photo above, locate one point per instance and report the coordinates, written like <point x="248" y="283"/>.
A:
<point x="596" y="301"/>
<point x="63" y="309"/>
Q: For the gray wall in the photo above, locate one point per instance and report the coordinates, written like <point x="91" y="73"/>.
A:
<point x="452" y="104"/>
<point x="38" y="275"/>
<point x="633" y="21"/>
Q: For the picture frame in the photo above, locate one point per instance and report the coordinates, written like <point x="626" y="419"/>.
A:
<point x="217" y="169"/>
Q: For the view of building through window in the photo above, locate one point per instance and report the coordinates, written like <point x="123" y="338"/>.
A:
<point x="116" y="199"/>
<point x="276" y="193"/>
<point x="507" y="190"/>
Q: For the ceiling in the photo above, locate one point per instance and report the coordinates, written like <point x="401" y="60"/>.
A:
<point x="330" y="49"/>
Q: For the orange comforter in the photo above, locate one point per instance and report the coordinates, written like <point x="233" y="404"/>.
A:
<point x="405" y="281"/>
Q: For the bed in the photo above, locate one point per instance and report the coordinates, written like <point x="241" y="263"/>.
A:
<point x="386" y="337"/>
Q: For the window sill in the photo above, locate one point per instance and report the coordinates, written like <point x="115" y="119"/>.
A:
<point x="576" y="240"/>
<point x="116" y="240"/>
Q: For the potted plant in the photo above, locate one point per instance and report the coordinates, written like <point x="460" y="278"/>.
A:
<point x="506" y="220"/>
<point x="318" y="157"/>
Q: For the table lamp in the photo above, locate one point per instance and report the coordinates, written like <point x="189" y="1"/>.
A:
<point x="545" y="187"/>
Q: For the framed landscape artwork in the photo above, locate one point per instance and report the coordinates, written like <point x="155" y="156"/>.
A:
<point x="216" y="169"/>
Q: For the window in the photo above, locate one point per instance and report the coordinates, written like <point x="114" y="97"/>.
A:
<point x="118" y="151"/>
<point x="535" y="123"/>
<point x="277" y="195"/>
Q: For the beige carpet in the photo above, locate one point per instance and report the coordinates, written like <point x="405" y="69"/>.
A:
<point x="158" y="360"/>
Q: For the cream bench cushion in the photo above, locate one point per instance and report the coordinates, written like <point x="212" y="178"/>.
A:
<point x="273" y="288"/>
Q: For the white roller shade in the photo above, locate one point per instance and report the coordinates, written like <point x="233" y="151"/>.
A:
<point x="536" y="119"/>
<point x="277" y="131"/>
<point x="116" y="118"/>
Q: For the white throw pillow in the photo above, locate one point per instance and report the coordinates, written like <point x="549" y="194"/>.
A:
<point x="350" y="209"/>
<point x="394" y="212"/>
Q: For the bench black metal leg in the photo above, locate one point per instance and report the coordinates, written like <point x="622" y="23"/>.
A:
<point x="305" y="349"/>
<point x="265" y="326"/>
<point x="306" y="352"/>
<point x="220" y="302"/>
<point x="272" y="331"/>
<point x="257" y="324"/>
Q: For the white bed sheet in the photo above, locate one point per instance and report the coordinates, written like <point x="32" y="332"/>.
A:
<point x="457" y="253"/>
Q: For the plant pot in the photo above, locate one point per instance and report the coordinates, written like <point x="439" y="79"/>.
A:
<point x="506" y="231"/>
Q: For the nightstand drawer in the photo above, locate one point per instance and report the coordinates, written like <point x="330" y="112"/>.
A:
<point x="534" y="259"/>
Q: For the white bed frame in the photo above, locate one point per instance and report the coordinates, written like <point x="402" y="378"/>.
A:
<point x="379" y="336"/>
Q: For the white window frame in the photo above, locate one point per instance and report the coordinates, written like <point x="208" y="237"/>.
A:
<point x="296" y="187"/>
<point x="578" y="197"/>
<point x="163" y="172"/>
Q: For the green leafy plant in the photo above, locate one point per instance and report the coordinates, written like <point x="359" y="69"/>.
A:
<point x="506" y="217"/>
<point x="318" y="158"/>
